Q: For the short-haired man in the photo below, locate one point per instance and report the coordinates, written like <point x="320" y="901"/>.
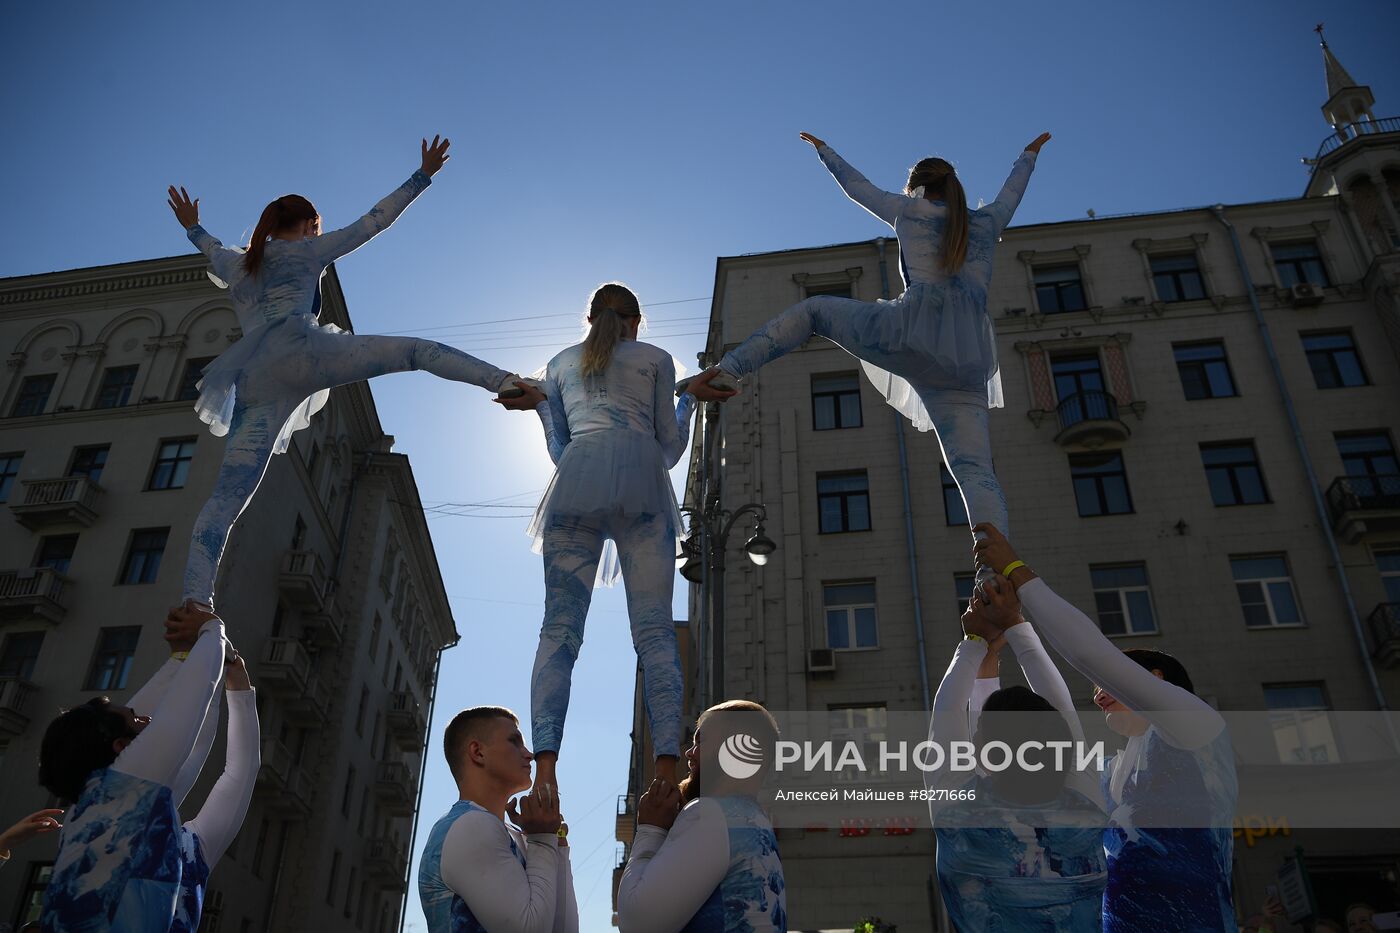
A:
<point x="478" y="874"/>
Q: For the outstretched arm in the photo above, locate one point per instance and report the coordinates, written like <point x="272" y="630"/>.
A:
<point x="1009" y="198"/>
<point x="186" y="211"/>
<point x="331" y="246"/>
<point x="227" y="804"/>
<point x="883" y="204"/>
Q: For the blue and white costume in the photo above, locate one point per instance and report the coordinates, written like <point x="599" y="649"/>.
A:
<point x="613" y="436"/>
<point x="716" y="871"/>
<point x="931" y="352"/>
<point x="478" y="875"/>
<point x="1170" y="794"/>
<point x="119" y="864"/>
<point x="1002" y="865"/>
<point x="269" y="384"/>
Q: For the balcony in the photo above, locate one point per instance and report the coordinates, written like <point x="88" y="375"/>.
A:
<point x="394" y="785"/>
<point x="288" y="790"/>
<point x="285" y="669"/>
<point x="303" y="580"/>
<point x="1364" y="505"/>
<point x="406" y="721"/>
<point x="626" y="818"/>
<point x="1090" y="419"/>
<point x="65" y="501"/>
<point x="310" y="707"/>
<point x="15" y="695"/>
<point x="325" y="628"/>
<point x="386" y="863"/>
<point x="1360" y="130"/>
<point x="1384" y="622"/>
<point x="33" y="593"/>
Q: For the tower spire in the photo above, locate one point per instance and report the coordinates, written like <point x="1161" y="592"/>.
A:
<point x="1348" y="101"/>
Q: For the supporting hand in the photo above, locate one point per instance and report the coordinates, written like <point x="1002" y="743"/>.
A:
<point x="808" y="137"/>
<point x="997" y="602"/>
<point x="182" y="628"/>
<point x="704" y="392"/>
<point x="186" y="211"/>
<point x="236" y="674"/>
<point x="538" y="811"/>
<point x="660" y="805"/>
<point x="435" y="156"/>
<point x="527" y="401"/>
<point x="1039" y="141"/>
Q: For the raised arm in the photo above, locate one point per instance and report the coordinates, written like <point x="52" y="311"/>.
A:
<point x="883" y="204"/>
<point x="186" y="211"/>
<point x="331" y="246"/>
<point x="671" y="420"/>
<point x="159" y="753"/>
<point x="227" y="804"/>
<point x="952" y="719"/>
<point x="479" y="866"/>
<point x="1009" y="198"/>
<point x="671" y="874"/>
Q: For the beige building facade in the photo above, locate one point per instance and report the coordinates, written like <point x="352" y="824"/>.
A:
<point x="1197" y="448"/>
<point x="329" y="587"/>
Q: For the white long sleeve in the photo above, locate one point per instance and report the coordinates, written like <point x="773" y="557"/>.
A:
<point x="227" y="804"/>
<point x="556" y="432"/>
<point x="952" y="719"/>
<point x="671" y="875"/>
<point x="478" y="865"/>
<point x="160" y="752"/>
<point x="1009" y="198"/>
<point x="1184" y="719"/>
<point x="149" y="697"/>
<point x="566" y="904"/>
<point x="332" y="245"/>
<point x="883" y="204"/>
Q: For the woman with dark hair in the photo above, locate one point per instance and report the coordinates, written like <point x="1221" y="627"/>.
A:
<point x="1170" y="793"/>
<point x="614" y="432"/>
<point x="269" y="384"/>
<point x="705" y="858"/>
<point x="931" y="352"/>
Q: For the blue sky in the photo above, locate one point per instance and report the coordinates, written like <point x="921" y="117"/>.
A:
<point x="600" y="141"/>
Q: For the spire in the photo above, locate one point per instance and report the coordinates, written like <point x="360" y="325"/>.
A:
<point x="1338" y="79"/>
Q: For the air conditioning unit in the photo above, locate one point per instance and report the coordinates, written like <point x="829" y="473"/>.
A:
<point x="821" y="660"/>
<point x="1305" y="294"/>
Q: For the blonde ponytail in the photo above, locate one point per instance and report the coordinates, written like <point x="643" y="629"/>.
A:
<point x="607" y="308"/>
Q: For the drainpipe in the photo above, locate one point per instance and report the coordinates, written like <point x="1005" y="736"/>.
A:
<point x="422" y="773"/>
<point x="908" y="510"/>
<point x="1324" y="520"/>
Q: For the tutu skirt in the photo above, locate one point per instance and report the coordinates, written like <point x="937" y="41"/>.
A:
<point x="606" y="476"/>
<point x="274" y="363"/>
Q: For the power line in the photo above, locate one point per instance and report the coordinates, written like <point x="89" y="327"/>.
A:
<point x="534" y="346"/>
<point x="533" y="317"/>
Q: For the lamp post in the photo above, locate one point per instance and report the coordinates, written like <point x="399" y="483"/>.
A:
<point x="705" y="550"/>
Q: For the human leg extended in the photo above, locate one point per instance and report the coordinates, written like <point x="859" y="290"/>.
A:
<point x="572" y="547"/>
<point x="837" y="319"/>
<point x="359" y="357"/>
<point x="247" y="451"/>
<point x="646" y="546"/>
<point x="961" y="419"/>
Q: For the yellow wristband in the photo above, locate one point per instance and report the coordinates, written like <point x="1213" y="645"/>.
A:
<point x="179" y="655"/>
<point x="562" y="832"/>
<point x="971" y="637"/>
<point x="1011" y="567"/>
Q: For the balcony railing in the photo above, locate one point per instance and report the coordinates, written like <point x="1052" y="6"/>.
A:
<point x="626" y="818"/>
<point x="68" y="499"/>
<point x="1089" y="418"/>
<point x="1364" y="504"/>
<point x="325" y="627"/>
<point x="15" y="695"/>
<point x="394" y="784"/>
<point x="33" y="593"/>
<point x="310" y="707"/>
<point x="285" y="667"/>
<point x="1384" y="622"/>
<point x="288" y="785"/>
<point x="1334" y="142"/>
<point x="405" y="718"/>
<point x="303" y="580"/>
<point x="386" y="861"/>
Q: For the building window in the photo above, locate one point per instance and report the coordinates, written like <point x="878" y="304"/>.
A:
<point x="963" y="585"/>
<point x="331" y="879"/>
<point x="360" y="712"/>
<point x="33" y="395"/>
<point x="32" y="900"/>
<point x="1123" y="599"/>
<point x="172" y="465"/>
<point x="850" y="615"/>
<point x="863" y="725"/>
<point x="1204" y="370"/>
<point x="1300" y="722"/>
<point x="9" y="469"/>
<point x="374" y="637"/>
<point x="143" y="556"/>
<point x="843" y="502"/>
<point x="116" y="648"/>
<point x="260" y="846"/>
<point x="1265" y="590"/>
<point x="115" y="390"/>
<point x="1233" y="473"/>
<point x="954" y="509"/>
<point x="1388" y="563"/>
<point x="1369" y="454"/>
<point x="298" y="534"/>
<point x="89" y="462"/>
<point x="1177" y="278"/>
<point x="20" y="654"/>
<point x="350" y="888"/>
<point x="834" y="290"/>
<point x="1100" y="483"/>
<point x="1333" y="359"/>
<point x="1299" y="263"/>
<point x="835" y="402"/>
<point x="347" y="793"/>
<point x="56" y="552"/>
<point x="1058" y="288"/>
<point x="189" y="380"/>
